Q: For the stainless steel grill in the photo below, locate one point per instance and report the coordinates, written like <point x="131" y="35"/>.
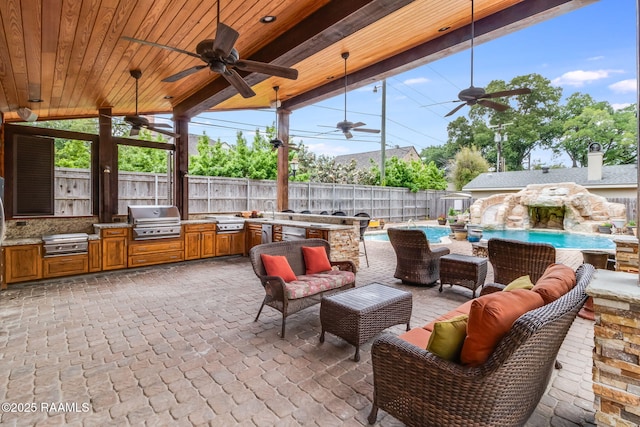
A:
<point x="65" y="244"/>
<point x="154" y="222"/>
<point x="228" y="224"/>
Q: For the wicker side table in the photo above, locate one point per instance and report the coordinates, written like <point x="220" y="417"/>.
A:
<point x="357" y="315"/>
<point x="463" y="270"/>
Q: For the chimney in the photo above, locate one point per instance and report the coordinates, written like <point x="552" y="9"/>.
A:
<point x="594" y="162"/>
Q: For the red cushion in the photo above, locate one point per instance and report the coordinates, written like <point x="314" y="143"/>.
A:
<point x="557" y="280"/>
<point x="277" y="265"/>
<point x="315" y="259"/>
<point x="490" y="318"/>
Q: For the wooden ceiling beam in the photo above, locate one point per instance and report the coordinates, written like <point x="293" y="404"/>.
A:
<point x="320" y="30"/>
<point x="504" y="22"/>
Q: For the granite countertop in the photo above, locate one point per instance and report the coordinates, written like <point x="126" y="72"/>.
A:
<point x="302" y="224"/>
<point x="111" y="225"/>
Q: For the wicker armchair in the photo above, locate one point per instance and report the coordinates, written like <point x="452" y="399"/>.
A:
<point x="511" y="259"/>
<point x="421" y="389"/>
<point x="417" y="263"/>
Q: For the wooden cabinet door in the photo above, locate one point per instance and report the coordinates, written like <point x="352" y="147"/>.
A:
<point x="114" y="253"/>
<point x="95" y="256"/>
<point x="207" y="244"/>
<point x="223" y="244"/>
<point x="254" y="238"/>
<point x="192" y="245"/>
<point x="237" y="243"/>
<point x="23" y="263"/>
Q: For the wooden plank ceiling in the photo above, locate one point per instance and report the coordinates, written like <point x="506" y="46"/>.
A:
<point x="70" y="54"/>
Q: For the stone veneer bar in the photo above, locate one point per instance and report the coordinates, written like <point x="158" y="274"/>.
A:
<point x="616" y="364"/>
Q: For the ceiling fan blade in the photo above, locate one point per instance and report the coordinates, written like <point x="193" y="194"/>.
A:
<point x="367" y="130"/>
<point x="492" y="104"/>
<point x="162" y="131"/>
<point x="502" y="93"/>
<point x="162" y="46"/>
<point x="183" y="73"/>
<point x="455" y="110"/>
<point x="264" y="68"/>
<point x="225" y="39"/>
<point x="238" y="82"/>
<point x="162" y="125"/>
<point x="134" y="131"/>
<point x="358" y="124"/>
<point x="348" y="134"/>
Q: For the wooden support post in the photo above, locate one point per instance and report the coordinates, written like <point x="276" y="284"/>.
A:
<point x="181" y="167"/>
<point x="283" y="160"/>
<point x="106" y="166"/>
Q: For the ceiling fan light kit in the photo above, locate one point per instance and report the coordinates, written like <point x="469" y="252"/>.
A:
<point x="477" y="95"/>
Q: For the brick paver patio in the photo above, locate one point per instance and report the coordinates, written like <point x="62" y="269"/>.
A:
<point x="177" y="345"/>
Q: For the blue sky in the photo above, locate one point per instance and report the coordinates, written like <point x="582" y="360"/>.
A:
<point x="591" y="50"/>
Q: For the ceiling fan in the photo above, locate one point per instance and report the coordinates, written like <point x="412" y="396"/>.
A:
<point x="277" y="142"/>
<point x="477" y="95"/>
<point x="138" y="122"/>
<point x="346" y="126"/>
<point x="221" y="57"/>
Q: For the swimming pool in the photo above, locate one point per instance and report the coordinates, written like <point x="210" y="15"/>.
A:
<point x="559" y="240"/>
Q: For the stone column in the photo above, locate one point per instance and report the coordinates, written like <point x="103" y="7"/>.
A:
<point x="616" y="366"/>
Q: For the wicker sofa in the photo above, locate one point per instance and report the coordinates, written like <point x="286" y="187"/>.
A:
<point x="421" y="389"/>
<point x="307" y="290"/>
<point x="416" y="262"/>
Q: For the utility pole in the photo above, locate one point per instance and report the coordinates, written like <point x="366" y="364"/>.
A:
<point x="499" y="140"/>
<point x="383" y="130"/>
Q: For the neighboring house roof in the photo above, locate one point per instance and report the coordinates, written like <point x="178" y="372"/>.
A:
<point x="363" y="159"/>
<point x="619" y="176"/>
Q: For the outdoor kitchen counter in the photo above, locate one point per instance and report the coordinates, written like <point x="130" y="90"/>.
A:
<point x="35" y="240"/>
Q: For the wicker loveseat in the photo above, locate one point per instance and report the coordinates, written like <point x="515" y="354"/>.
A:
<point x="421" y="389"/>
<point x="416" y="262"/>
<point x="307" y="290"/>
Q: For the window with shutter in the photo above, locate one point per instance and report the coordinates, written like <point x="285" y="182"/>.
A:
<point x="33" y="183"/>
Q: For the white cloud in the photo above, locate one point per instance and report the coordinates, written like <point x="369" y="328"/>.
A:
<point x="619" y="106"/>
<point x="624" y="86"/>
<point x="596" y="58"/>
<point x="578" y="78"/>
<point x="416" y="81"/>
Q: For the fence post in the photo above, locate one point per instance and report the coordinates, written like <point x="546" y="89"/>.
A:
<point x="248" y="198"/>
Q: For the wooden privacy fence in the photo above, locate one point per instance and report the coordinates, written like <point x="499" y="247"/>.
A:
<point x="218" y="194"/>
<point x="209" y="194"/>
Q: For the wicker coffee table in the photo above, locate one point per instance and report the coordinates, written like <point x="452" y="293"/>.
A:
<point x="359" y="314"/>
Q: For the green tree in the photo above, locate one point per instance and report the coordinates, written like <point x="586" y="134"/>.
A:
<point x="531" y="118"/>
<point x="467" y="165"/>
<point x="72" y="153"/>
<point x="143" y="159"/>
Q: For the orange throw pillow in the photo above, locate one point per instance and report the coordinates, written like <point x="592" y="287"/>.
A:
<point x="557" y="280"/>
<point x="315" y="259"/>
<point x="277" y="265"/>
<point x="490" y="318"/>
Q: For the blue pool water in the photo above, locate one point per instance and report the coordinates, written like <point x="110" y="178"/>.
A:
<point x="559" y="240"/>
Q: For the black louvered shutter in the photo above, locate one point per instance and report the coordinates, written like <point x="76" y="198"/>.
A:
<point x="34" y="161"/>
